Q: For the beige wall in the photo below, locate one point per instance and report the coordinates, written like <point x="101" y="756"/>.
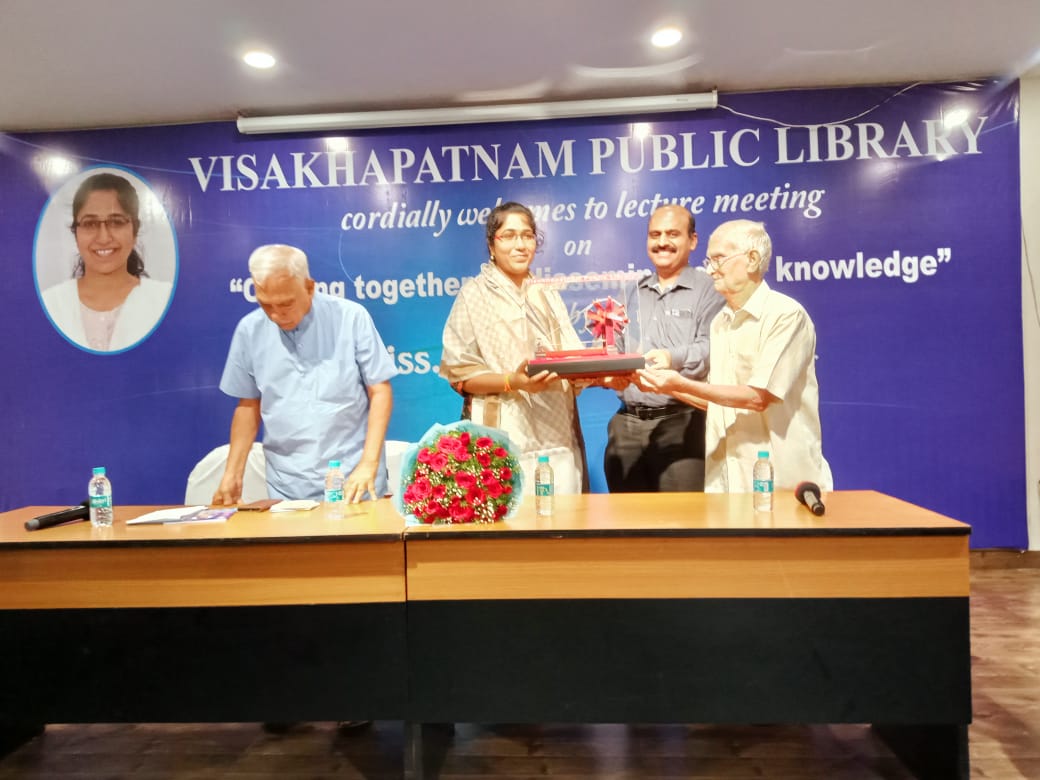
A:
<point x="1029" y="128"/>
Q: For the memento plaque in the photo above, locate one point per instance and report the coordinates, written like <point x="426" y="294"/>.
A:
<point x="600" y="324"/>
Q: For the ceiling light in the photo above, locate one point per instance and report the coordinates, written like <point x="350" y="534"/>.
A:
<point x="258" y="59"/>
<point x="666" y="37"/>
<point x="461" y="115"/>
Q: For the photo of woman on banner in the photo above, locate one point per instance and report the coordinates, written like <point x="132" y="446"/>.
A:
<point x="498" y="322"/>
<point x="107" y="301"/>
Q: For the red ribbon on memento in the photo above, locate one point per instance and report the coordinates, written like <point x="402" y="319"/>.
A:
<point x="605" y="319"/>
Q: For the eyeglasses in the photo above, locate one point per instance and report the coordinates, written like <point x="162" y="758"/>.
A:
<point x="92" y="225"/>
<point x="510" y="237"/>
<point x="714" y="265"/>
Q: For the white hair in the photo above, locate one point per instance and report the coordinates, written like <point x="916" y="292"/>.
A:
<point x="750" y="236"/>
<point x="273" y="259"/>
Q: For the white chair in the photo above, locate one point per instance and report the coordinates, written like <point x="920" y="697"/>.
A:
<point x="395" y="450"/>
<point x="204" y="479"/>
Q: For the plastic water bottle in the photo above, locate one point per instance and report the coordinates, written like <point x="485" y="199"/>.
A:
<point x="99" y="491"/>
<point x="544" y="487"/>
<point x="334" y="490"/>
<point x="763" y="482"/>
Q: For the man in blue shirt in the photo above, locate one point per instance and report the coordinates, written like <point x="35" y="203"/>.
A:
<point x="654" y="443"/>
<point x="314" y="370"/>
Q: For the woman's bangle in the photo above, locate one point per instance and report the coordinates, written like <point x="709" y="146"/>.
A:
<point x="507" y="389"/>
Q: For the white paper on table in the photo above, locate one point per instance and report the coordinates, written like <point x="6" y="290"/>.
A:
<point x="295" y="505"/>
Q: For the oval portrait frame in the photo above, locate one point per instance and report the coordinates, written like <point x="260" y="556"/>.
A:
<point x="55" y="255"/>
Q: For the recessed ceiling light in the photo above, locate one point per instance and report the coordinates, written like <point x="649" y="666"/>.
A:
<point x="665" y="37"/>
<point x="258" y="59"/>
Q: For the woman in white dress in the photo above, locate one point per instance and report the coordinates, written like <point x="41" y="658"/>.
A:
<point x="109" y="304"/>
<point x="498" y="321"/>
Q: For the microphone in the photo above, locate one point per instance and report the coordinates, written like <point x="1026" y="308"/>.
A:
<point x="808" y="495"/>
<point x="78" y="512"/>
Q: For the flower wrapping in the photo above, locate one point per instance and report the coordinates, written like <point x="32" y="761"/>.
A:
<point x="459" y="473"/>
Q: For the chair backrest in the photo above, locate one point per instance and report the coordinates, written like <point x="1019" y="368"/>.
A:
<point x="395" y="450"/>
<point x="204" y="479"/>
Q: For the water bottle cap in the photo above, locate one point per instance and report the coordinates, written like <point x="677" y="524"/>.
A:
<point x="333" y="464"/>
<point x="543" y="458"/>
<point x="763" y="454"/>
<point x="99" y="471"/>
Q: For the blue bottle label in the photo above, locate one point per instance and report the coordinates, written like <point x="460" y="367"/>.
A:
<point x="543" y="489"/>
<point x="332" y="496"/>
<point x="101" y="502"/>
<point x="763" y="486"/>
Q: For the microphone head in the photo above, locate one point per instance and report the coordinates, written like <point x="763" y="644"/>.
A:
<point x="806" y="487"/>
<point x="809" y="489"/>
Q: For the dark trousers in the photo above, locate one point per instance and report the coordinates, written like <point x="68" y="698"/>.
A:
<point x="663" y="454"/>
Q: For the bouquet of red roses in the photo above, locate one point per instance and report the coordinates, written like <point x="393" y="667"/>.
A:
<point x="460" y="473"/>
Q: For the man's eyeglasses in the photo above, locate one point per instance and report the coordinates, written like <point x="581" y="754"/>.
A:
<point x="714" y="264"/>
<point x="510" y="237"/>
<point x="92" y="225"/>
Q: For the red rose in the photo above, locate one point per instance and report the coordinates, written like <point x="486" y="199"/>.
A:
<point x="448" y="445"/>
<point x="421" y="487"/>
<point x="485" y="442"/>
<point x="465" y="480"/>
<point x="461" y="514"/>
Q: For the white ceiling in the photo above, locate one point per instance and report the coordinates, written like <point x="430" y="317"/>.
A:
<point x="113" y="63"/>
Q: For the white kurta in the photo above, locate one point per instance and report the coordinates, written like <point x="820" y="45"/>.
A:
<point x="770" y="343"/>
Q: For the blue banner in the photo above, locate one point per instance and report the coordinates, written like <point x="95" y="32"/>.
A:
<point x="894" y="214"/>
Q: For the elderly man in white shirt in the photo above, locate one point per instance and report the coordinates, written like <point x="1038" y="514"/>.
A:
<point x="761" y="392"/>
